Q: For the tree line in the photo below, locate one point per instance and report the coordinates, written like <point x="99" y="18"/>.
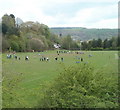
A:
<point x="28" y="36"/>
<point x="99" y="44"/>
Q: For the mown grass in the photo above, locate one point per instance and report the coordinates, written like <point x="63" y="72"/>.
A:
<point x="33" y="75"/>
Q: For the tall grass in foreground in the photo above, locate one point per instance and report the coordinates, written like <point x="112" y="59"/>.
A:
<point x="80" y="86"/>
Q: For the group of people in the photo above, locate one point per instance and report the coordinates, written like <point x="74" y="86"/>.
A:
<point x="47" y="59"/>
<point x="79" y="59"/>
<point x="9" y="56"/>
<point x="62" y="59"/>
<point x="76" y="52"/>
<point x="44" y="59"/>
<point x="79" y="52"/>
<point x="26" y="58"/>
<point x="61" y="51"/>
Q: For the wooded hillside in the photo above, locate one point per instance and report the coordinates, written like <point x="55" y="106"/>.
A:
<point x="79" y="33"/>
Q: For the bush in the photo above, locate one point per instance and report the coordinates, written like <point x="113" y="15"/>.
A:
<point x="80" y="87"/>
<point x="14" y="46"/>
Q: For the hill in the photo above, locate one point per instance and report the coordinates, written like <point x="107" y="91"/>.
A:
<point x="79" y="33"/>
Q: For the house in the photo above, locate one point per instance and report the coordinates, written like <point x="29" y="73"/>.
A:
<point x="57" y="46"/>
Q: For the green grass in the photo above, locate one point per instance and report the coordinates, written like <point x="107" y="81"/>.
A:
<point x="36" y="74"/>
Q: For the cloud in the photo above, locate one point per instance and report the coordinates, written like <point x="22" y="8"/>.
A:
<point x="96" y="17"/>
<point x="64" y="12"/>
<point x="109" y="23"/>
<point x="95" y="14"/>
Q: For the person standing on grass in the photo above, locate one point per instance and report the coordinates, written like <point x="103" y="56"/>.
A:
<point x="27" y="58"/>
<point x="56" y="58"/>
<point x="81" y="59"/>
<point x="47" y="59"/>
<point x="15" y="57"/>
<point x="62" y="59"/>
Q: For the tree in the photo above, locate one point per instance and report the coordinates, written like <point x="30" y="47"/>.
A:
<point x="12" y="16"/>
<point x="67" y="42"/>
<point x="114" y="42"/>
<point x="94" y="43"/>
<point x="89" y="44"/>
<point x="118" y="43"/>
<point x="8" y="25"/>
<point x="22" y="46"/>
<point x="5" y="44"/>
<point x="37" y="44"/>
<point x="14" y="46"/>
<point x="99" y="43"/>
<point x="106" y="44"/>
<point x="4" y="28"/>
<point x="54" y="38"/>
<point x="84" y="45"/>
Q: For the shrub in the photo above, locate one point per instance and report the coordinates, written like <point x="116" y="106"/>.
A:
<point x="14" y="46"/>
<point x="81" y="87"/>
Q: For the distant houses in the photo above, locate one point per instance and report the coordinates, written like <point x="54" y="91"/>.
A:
<point x="57" y="46"/>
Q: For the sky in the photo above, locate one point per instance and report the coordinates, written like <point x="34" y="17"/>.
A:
<point x="64" y="13"/>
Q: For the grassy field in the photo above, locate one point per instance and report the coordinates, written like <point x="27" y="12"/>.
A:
<point x="31" y="76"/>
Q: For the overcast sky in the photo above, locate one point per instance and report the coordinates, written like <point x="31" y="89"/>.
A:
<point x="65" y="13"/>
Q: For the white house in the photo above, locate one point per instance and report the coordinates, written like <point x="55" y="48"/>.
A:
<point x="57" y="46"/>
